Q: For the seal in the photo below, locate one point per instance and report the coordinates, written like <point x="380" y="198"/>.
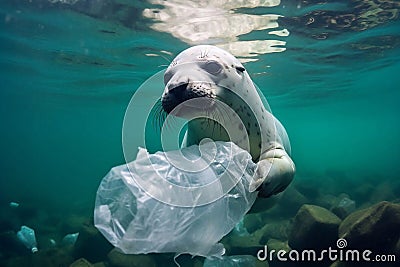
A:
<point x="212" y="88"/>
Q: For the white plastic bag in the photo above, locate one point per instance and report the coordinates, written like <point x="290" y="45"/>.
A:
<point x="165" y="202"/>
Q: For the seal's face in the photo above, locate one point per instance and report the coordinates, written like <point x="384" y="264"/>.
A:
<point x="200" y="72"/>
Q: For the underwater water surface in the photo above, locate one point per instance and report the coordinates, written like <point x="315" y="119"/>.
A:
<point x="329" y="70"/>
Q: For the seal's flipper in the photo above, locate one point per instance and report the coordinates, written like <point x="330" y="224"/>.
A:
<point x="274" y="173"/>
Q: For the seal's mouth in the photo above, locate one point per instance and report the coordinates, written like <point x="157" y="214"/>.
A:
<point x="191" y="107"/>
<point x="182" y="96"/>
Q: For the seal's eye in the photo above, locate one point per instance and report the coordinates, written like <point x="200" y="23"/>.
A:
<point x="240" y="69"/>
<point x="213" y="67"/>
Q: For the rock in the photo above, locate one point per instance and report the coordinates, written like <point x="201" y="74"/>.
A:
<point x="335" y="181"/>
<point x="397" y="249"/>
<point x="277" y="245"/>
<point x="350" y="220"/>
<point x="363" y="191"/>
<point x="314" y="228"/>
<point x="74" y="223"/>
<point x="383" y="192"/>
<point x="326" y="201"/>
<point x="10" y="246"/>
<point x="91" y="244"/>
<point x="247" y="244"/>
<point x="184" y="260"/>
<point x="234" y="261"/>
<point x="252" y="222"/>
<point x="53" y="257"/>
<point x="264" y="204"/>
<point x="308" y="186"/>
<point x="81" y="263"/>
<point x="292" y="200"/>
<point x="197" y="263"/>
<point x="118" y="259"/>
<point x="47" y="241"/>
<point x="47" y="258"/>
<point x="236" y="244"/>
<point x="338" y="264"/>
<point x="170" y="259"/>
<point x="375" y="228"/>
<point x="277" y="230"/>
<point x="343" y="206"/>
<point x="17" y="262"/>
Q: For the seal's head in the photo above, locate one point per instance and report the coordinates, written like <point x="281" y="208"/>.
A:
<point x="200" y="72"/>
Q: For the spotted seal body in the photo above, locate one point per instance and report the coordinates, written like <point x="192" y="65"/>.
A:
<point x="211" y="87"/>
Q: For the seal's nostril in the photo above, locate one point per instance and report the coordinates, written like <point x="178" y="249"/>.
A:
<point x="177" y="90"/>
<point x="175" y="94"/>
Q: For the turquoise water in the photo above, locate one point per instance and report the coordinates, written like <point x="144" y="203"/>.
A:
<point x="68" y="72"/>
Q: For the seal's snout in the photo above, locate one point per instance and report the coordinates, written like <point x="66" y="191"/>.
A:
<point x="177" y="93"/>
<point x="174" y="95"/>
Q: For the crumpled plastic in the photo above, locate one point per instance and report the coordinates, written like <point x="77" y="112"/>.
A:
<point x="159" y="203"/>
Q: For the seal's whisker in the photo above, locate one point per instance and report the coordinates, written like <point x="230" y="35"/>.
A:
<point x="213" y="121"/>
<point x="158" y="115"/>
<point x="225" y="116"/>
<point x="208" y="122"/>
<point x="169" y="122"/>
<point x="221" y="116"/>
<point x="224" y="122"/>
<point x="217" y="120"/>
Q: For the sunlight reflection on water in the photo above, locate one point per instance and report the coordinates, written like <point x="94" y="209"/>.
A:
<point x="219" y="23"/>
